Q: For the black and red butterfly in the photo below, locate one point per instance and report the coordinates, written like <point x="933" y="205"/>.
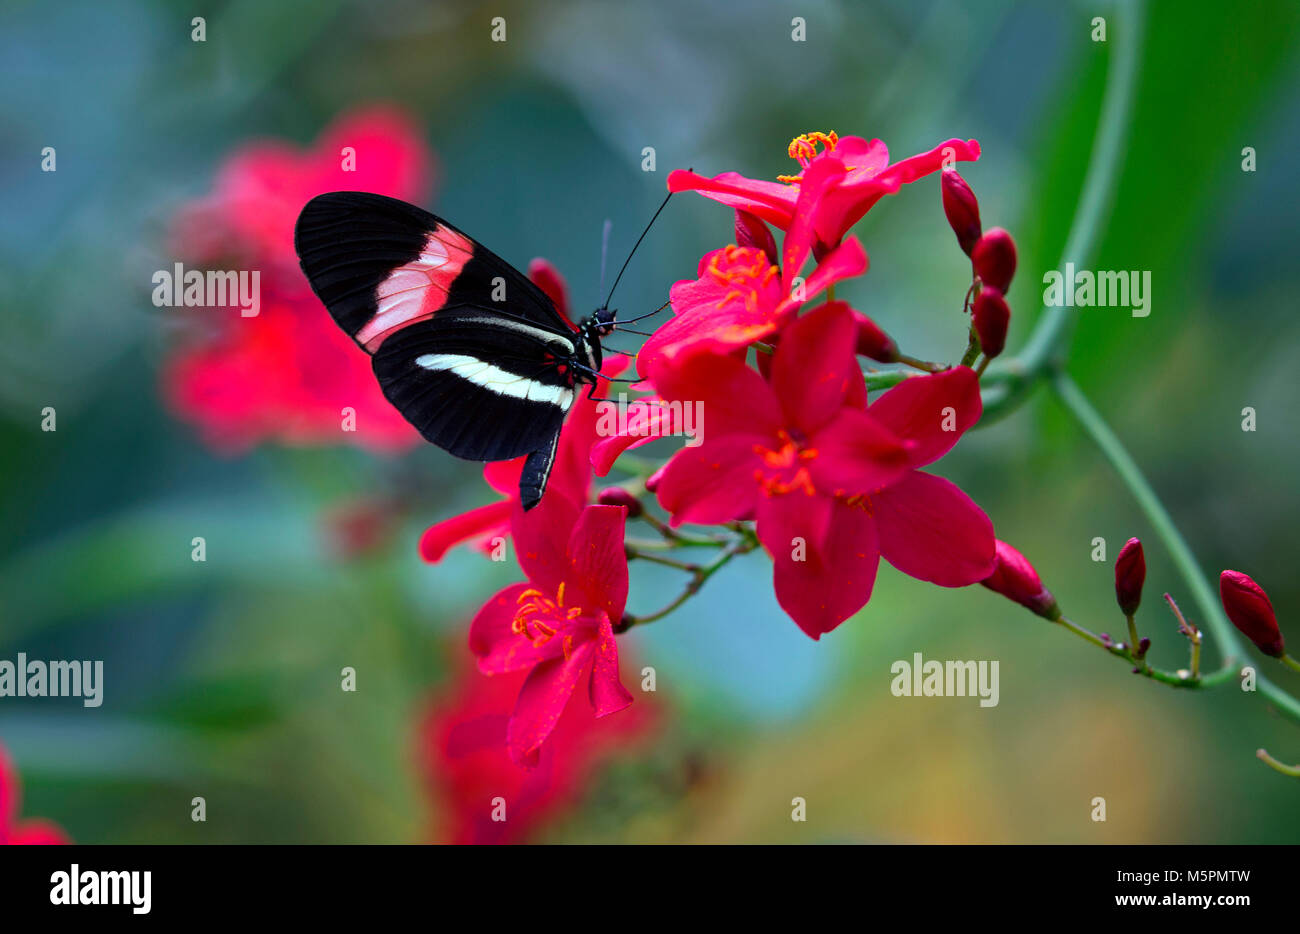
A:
<point x="467" y="348"/>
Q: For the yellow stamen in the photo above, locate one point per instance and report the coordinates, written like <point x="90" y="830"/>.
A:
<point x="538" y="615"/>
<point x="803" y="149"/>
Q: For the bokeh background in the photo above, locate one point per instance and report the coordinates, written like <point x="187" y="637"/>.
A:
<point x="222" y="677"/>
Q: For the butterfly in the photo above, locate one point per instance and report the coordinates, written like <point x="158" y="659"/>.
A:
<point x="467" y="348"/>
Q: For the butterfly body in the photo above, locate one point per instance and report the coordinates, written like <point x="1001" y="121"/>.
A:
<point x="467" y="348"/>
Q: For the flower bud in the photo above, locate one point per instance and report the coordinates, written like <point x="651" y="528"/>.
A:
<point x="873" y="342"/>
<point x="1015" y="578"/>
<point x="994" y="258"/>
<point x="991" y="316"/>
<point x="961" y="207"/>
<point x="1130" y="575"/>
<point x="1250" y="611"/>
<point x="617" y="496"/>
<point x="752" y="232"/>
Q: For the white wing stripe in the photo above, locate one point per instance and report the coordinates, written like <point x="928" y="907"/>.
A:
<point x="495" y="379"/>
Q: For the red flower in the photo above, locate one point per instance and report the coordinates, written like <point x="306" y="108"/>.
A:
<point x="466" y="766"/>
<point x="867" y="177"/>
<point x="289" y="373"/>
<point x="559" y="625"/>
<point x="1251" y="612"/>
<point x="12" y="830"/>
<point x="833" y="487"/>
<point x="740" y="297"/>
<point x="571" y="475"/>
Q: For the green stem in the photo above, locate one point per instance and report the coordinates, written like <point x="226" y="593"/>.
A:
<point x="1134" y="643"/>
<point x="1225" y="636"/>
<point x="1172" y="678"/>
<point x="636" y="553"/>
<point x="1292" y="770"/>
<point x="699" y="575"/>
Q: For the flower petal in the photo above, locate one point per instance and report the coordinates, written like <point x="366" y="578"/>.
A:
<point x="845" y="204"/>
<point x="821" y="176"/>
<point x="483" y="521"/>
<point x="598" y="561"/>
<point x="835" y="577"/>
<point x="845" y="261"/>
<point x="814" y="366"/>
<point x="772" y="201"/>
<point x="646" y="421"/>
<point x="541" y="537"/>
<point x="711" y="483"/>
<point x="543" y="697"/>
<point x="733" y="397"/>
<point x="931" y="530"/>
<point x="933" y="411"/>
<point x="857" y="455"/>
<point x="606" y="691"/>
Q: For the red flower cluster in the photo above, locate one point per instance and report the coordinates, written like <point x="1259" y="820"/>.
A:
<point x="288" y="373"/>
<point x="12" y="830"/>
<point x="831" y="479"/>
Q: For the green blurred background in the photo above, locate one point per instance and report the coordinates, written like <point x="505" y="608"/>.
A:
<point x="222" y="677"/>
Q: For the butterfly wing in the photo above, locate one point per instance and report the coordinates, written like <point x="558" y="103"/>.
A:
<point x="467" y="348"/>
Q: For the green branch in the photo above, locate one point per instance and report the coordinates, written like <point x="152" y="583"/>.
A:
<point x="1225" y="636"/>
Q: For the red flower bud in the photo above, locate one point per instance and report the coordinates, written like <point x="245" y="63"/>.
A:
<point x="1015" y="578"/>
<point x="1130" y="575"/>
<point x="994" y="257"/>
<point x="961" y="207"/>
<point x="873" y="342"/>
<point x="1250" y="611"/>
<point x="751" y="231"/>
<point x="991" y="316"/>
<point x="617" y="496"/>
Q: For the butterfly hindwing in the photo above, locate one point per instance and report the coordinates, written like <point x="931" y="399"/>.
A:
<point x="478" y="386"/>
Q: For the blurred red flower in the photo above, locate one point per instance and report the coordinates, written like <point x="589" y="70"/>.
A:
<point x="287" y="374"/>
<point x="465" y="764"/>
<point x="12" y="830"/>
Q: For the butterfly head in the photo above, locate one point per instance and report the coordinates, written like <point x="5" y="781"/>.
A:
<point x="600" y="323"/>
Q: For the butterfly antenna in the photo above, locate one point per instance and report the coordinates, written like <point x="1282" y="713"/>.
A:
<point x="604" y="252"/>
<point x="640" y="317"/>
<point x="633" y="253"/>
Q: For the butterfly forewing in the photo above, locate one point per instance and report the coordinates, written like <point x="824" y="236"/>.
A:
<point x="467" y="348"/>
